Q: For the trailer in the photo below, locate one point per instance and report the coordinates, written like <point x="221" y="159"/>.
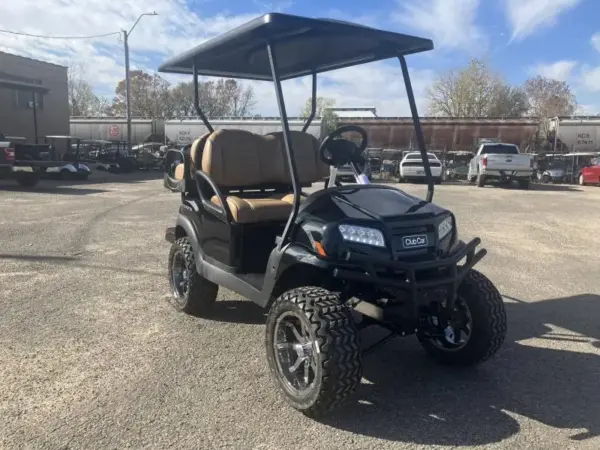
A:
<point x="184" y="131"/>
<point x="575" y="134"/>
<point x="115" y="129"/>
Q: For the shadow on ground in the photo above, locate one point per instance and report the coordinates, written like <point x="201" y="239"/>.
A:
<point x="73" y="187"/>
<point x="408" y="398"/>
<point x="237" y="311"/>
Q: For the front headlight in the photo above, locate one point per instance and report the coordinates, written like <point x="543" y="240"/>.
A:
<point x="362" y="235"/>
<point x="444" y="228"/>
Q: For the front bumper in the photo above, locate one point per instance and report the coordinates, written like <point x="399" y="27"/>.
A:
<point x="409" y="276"/>
<point x="507" y="174"/>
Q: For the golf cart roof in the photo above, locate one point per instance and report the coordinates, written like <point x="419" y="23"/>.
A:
<point x="302" y="46"/>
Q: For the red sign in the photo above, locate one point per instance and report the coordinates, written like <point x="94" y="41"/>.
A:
<point x="114" y="130"/>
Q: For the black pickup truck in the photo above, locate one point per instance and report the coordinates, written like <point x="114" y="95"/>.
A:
<point x="23" y="162"/>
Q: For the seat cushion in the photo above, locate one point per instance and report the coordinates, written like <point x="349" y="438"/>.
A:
<point x="254" y="210"/>
<point x="179" y="171"/>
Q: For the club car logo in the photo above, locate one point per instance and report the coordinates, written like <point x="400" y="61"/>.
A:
<point x="419" y="240"/>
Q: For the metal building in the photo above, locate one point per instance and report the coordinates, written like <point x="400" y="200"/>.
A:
<point x="34" y="99"/>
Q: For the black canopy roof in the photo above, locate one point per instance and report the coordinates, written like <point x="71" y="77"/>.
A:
<point x="302" y="45"/>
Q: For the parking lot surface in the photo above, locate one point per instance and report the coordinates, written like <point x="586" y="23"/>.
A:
<point x="92" y="354"/>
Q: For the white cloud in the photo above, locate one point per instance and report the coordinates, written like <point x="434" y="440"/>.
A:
<point x="377" y="84"/>
<point x="450" y="23"/>
<point x="176" y="29"/>
<point x="528" y="16"/>
<point x="590" y="78"/>
<point x="596" y="41"/>
<point x="559" y="70"/>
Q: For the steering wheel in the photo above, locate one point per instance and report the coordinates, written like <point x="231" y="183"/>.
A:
<point x="342" y="151"/>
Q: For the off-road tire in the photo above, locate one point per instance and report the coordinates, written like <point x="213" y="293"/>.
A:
<point x="524" y="184"/>
<point x="480" y="180"/>
<point x="201" y="293"/>
<point x="339" y="357"/>
<point x="27" y="179"/>
<point x="488" y="328"/>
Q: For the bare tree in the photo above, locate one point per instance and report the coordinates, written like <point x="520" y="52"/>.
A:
<point x="474" y="91"/>
<point x="549" y="98"/>
<point x="82" y="100"/>
<point x="217" y="98"/>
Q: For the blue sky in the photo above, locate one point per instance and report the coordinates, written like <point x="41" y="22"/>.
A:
<point x="518" y="38"/>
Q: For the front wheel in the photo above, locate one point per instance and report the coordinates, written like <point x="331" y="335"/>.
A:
<point x="477" y="326"/>
<point x="313" y="349"/>
<point x="193" y="293"/>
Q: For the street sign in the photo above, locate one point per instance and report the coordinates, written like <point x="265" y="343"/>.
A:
<point x="114" y="130"/>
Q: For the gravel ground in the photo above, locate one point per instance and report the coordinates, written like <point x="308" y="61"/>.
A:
<point x="92" y="354"/>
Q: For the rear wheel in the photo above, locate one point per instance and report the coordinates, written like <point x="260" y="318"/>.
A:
<point x="477" y="327"/>
<point x="313" y="349"/>
<point x="193" y="293"/>
<point x="27" y="179"/>
<point x="480" y="180"/>
<point x="524" y="184"/>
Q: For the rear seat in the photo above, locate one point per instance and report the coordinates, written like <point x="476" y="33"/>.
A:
<point x="241" y="159"/>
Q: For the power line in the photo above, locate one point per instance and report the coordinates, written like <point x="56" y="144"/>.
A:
<point x="60" y="37"/>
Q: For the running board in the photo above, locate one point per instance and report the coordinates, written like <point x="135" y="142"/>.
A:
<point x="230" y="281"/>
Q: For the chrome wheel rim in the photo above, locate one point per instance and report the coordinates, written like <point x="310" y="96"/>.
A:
<point x="295" y="353"/>
<point x="179" y="276"/>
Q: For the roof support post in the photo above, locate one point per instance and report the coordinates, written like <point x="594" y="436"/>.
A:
<point x="288" y="146"/>
<point x="418" y="129"/>
<point x="313" y="105"/>
<point x="197" y="101"/>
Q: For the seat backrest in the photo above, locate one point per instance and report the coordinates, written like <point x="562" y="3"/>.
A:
<point x="196" y="151"/>
<point x="240" y="158"/>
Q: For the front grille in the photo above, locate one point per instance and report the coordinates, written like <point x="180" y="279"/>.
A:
<point x="407" y="242"/>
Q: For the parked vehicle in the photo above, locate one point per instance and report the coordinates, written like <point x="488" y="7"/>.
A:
<point x="26" y="163"/>
<point x="500" y="162"/>
<point x="554" y="172"/>
<point x="590" y="174"/>
<point x="332" y="262"/>
<point x="74" y="169"/>
<point x="69" y="171"/>
<point x="411" y="168"/>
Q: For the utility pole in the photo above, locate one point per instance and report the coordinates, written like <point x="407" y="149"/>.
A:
<point x="127" y="90"/>
<point x="128" y="78"/>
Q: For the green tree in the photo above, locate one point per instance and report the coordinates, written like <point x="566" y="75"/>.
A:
<point x="324" y="110"/>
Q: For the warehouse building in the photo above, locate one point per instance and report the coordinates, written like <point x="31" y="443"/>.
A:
<point x="34" y="98"/>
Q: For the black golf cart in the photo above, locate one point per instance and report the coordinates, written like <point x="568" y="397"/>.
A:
<point x="332" y="262"/>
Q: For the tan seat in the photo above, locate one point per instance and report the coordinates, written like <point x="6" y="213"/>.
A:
<point x="195" y="152"/>
<point x="237" y="159"/>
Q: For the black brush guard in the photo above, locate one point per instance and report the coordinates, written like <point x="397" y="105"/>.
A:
<point x="368" y="269"/>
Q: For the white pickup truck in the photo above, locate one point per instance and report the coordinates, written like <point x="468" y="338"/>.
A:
<point x="501" y="162"/>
